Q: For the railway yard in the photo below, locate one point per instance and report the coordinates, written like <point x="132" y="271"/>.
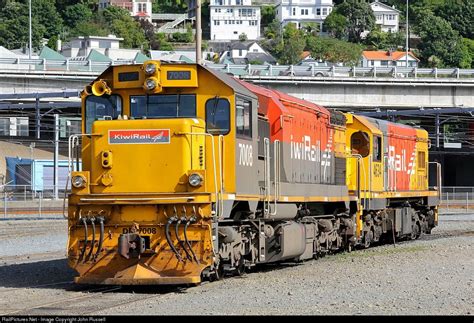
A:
<point x="430" y="276"/>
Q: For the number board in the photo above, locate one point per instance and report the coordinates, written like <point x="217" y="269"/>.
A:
<point x="178" y="75"/>
<point x="128" y="76"/>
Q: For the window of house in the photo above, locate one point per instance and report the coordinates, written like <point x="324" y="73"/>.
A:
<point x="384" y="63"/>
<point x="243" y="118"/>
<point x="218" y="116"/>
<point x="318" y="11"/>
<point x="372" y="63"/>
<point x="325" y="11"/>
<point x="294" y="11"/>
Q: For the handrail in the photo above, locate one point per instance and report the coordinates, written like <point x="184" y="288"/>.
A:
<point x="276" y="171"/>
<point x="438" y="176"/>
<point x="251" y="71"/>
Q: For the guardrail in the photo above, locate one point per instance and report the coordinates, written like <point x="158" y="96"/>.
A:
<point x="252" y="71"/>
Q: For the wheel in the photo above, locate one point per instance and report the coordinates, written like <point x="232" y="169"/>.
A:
<point x="415" y="232"/>
<point x="218" y="273"/>
<point x="240" y="270"/>
<point x="368" y="239"/>
<point x="349" y="247"/>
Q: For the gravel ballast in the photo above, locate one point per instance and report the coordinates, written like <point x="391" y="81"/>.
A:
<point x="430" y="276"/>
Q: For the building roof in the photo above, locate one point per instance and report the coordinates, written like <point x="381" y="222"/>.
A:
<point x="383" y="5"/>
<point x="48" y="53"/>
<point x="262" y="57"/>
<point x="382" y="55"/>
<point x="5" y="53"/>
<point x="141" y="58"/>
<point x="97" y="56"/>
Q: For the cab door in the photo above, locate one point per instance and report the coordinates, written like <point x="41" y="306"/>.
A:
<point x="376" y="167"/>
<point x="246" y="164"/>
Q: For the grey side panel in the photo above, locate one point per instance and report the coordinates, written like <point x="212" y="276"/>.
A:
<point x="340" y="170"/>
<point x="375" y="204"/>
<point x="300" y="189"/>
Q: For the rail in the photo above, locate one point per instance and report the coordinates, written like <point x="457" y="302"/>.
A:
<point x="249" y="71"/>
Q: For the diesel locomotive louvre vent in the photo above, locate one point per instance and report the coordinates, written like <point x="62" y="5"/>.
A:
<point x="189" y="174"/>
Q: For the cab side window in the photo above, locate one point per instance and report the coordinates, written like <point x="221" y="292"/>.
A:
<point x="218" y="116"/>
<point x="377" y="149"/>
<point x="243" y="118"/>
<point x="360" y="143"/>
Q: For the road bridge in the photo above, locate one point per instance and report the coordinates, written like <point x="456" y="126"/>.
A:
<point x="336" y="87"/>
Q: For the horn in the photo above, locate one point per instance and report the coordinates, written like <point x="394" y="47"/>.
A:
<point x="88" y="90"/>
<point x="100" y="88"/>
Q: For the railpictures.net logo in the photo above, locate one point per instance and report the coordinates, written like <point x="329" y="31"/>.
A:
<point x="12" y="319"/>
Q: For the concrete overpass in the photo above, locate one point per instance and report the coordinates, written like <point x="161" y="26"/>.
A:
<point x="337" y="92"/>
<point x="367" y="92"/>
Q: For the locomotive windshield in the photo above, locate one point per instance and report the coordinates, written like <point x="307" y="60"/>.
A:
<point x="105" y="107"/>
<point x="163" y="106"/>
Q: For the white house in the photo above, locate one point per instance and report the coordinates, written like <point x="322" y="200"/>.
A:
<point x="137" y="8"/>
<point x="231" y="18"/>
<point x="386" y="17"/>
<point x="300" y="12"/>
<point x="245" y="53"/>
<point x="109" y="46"/>
<point x="381" y="58"/>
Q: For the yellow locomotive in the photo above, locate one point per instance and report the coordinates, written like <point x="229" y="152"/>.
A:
<point x="188" y="174"/>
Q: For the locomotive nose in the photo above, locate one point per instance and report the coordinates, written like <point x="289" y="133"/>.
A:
<point x="149" y="156"/>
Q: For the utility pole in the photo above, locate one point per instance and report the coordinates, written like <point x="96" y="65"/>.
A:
<point x="406" y="45"/>
<point x="30" y="49"/>
<point x="56" y="154"/>
<point x="198" y="32"/>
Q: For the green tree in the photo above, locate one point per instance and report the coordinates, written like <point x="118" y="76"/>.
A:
<point x="75" y="14"/>
<point x="292" y="45"/>
<point x="243" y="37"/>
<point x="334" y="50"/>
<point x="46" y="14"/>
<point x="268" y="14"/>
<point x="123" y="25"/>
<point x="460" y="13"/>
<point x="336" y="25"/>
<point x="169" y="6"/>
<point x="467" y="53"/>
<point x="360" y="18"/>
<point x="439" y="39"/>
<point x="377" y="39"/>
<point x="273" y="30"/>
<point x="89" y="28"/>
<point x="13" y="19"/>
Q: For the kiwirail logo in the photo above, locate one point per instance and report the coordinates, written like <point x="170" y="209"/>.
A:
<point x="139" y="136"/>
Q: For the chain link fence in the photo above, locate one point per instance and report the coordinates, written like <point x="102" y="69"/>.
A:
<point x="457" y="199"/>
<point x="20" y="201"/>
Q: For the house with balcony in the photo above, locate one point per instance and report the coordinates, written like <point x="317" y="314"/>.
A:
<point x="381" y="58"/>
<point x="386" y="17"/>
<point x="140" y="9"/>
<point x="301" y="12"/>
<point x="229" y="19"/>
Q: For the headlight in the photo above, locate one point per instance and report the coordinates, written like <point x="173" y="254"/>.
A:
<point x="78" y="181"/>
<point x="195" y="180"/>
<point x="150" y="84"/>
<point x="150" y="69"/>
